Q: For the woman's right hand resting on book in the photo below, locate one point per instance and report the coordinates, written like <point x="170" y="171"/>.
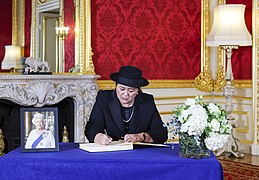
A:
<point x="139" y="137"/>
<point x="101" y="138"/>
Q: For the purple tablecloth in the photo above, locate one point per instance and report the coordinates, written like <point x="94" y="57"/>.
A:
<point x="140" y="163"/>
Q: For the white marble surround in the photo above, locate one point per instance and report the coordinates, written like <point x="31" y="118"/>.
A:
<point x="41" y="90"/>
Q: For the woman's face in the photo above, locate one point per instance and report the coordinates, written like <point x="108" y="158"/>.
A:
<point x="126" y="95"/>
<point x="39" y="124"/>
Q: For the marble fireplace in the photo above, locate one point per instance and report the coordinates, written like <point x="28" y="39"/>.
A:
<point x="47" y="90"/>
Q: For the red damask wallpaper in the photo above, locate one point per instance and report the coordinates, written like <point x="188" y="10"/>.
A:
<point x="242" y="57"/>
<point x="27" y="28"/>
<point x="6" y="26"/>
<point x="160" y="37"/>
<point x="69" y="21"/>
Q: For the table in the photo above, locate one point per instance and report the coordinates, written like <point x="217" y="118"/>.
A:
<point x="141" y="163"/>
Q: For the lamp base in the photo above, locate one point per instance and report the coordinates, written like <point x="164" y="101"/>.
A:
<point x="16" y="70"/>
<point x="233" y="146"/>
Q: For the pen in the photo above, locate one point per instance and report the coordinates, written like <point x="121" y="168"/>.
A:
<point x="107" y="134"/>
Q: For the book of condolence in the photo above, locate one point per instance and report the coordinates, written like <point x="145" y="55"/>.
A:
<point x="114" y="146"/>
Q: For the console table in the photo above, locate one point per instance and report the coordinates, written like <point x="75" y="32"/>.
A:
<point x="140" y="163"/>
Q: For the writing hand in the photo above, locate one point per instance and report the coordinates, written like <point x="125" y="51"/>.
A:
<point x="103" y="139"/>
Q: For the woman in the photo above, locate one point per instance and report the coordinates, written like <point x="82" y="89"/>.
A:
<point x="39" y="137"/>
<point x="125" y="113"/>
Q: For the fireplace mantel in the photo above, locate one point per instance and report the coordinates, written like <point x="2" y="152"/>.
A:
<point x="41" y="90"/>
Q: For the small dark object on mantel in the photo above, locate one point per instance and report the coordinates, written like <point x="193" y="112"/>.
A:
<point x="37" y="73"/>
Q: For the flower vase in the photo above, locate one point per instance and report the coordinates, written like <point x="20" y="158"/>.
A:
<point x="192" y="147"/>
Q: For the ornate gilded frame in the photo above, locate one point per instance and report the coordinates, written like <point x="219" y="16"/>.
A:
<point x="18" y="13"/>
<point x="83" y="51"/>
<point x="203" y="81"/>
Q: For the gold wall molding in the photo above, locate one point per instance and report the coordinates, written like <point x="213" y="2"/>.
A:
<point x="204" y="80"/>
<point x="220" y="81"/>
<point x="14" y="22"/>
<point x="153" y="84"/>
<point x="105" y="84"/>
<point x="33" y="29"/>
<point x="244" y="141"/>
<point x="243" y="83"/>
<point x="18" y="19"/>
<point x="166" y="113"/>
<point x="205" y="97"/>
<point x="157" y="84"/>
<point x="84" y="23"/>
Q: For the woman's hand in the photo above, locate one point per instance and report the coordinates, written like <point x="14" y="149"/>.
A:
<point x="134" y="137"/>
<point x="103" y="139"/>
<point x="140" y="137"/>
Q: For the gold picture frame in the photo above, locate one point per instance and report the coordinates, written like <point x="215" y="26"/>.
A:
<point x="83" y="52"/>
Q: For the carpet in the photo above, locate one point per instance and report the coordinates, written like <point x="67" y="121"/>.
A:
<point x="239" y="171"/>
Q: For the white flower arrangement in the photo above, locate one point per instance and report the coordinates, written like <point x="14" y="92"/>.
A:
<point x="200" y="119"/>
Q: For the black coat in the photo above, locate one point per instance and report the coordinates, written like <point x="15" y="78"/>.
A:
<point x="106" y="114"/>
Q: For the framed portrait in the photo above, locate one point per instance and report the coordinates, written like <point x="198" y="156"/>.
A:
<point x="39" y="129"/>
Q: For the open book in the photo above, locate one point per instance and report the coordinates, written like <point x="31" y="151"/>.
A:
<point x="114" y="146"/>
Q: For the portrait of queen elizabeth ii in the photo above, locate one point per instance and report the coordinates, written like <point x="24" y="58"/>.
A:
<point x="40" y="137"/>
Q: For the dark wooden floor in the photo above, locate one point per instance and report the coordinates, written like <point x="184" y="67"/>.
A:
<point x="247" y="159"/>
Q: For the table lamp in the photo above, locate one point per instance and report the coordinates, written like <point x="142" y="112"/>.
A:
<point x="229" y="31"/>
<point x="12" y="58"/>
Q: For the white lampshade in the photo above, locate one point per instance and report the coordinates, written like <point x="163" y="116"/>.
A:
<point x="229" y="26"/>
<point x="12" y="57"/>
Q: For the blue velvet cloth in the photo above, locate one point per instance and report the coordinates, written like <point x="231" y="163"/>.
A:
<point x="141" y="163"/>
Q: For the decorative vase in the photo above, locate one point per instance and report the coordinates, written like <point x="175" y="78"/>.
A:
<point x="192" y="147"/>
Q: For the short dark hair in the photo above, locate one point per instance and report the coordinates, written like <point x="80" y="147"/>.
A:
<point x="139" y="88"/>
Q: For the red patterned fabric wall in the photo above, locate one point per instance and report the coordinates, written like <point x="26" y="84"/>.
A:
<point x="6" y="26"/>
<point x="163" y="38"/>
<point x="69" y="47"/>
<point x="27" y="28"/>
<point x="242" y="57"/>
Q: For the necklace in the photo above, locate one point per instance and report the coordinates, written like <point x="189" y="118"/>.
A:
<point x="131" y="115"/>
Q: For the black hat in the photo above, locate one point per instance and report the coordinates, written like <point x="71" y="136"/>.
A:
<point x="129" y="76"/>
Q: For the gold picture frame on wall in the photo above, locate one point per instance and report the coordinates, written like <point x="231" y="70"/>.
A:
<point x="83" y="52"/>
<point x="202" y="82"/>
